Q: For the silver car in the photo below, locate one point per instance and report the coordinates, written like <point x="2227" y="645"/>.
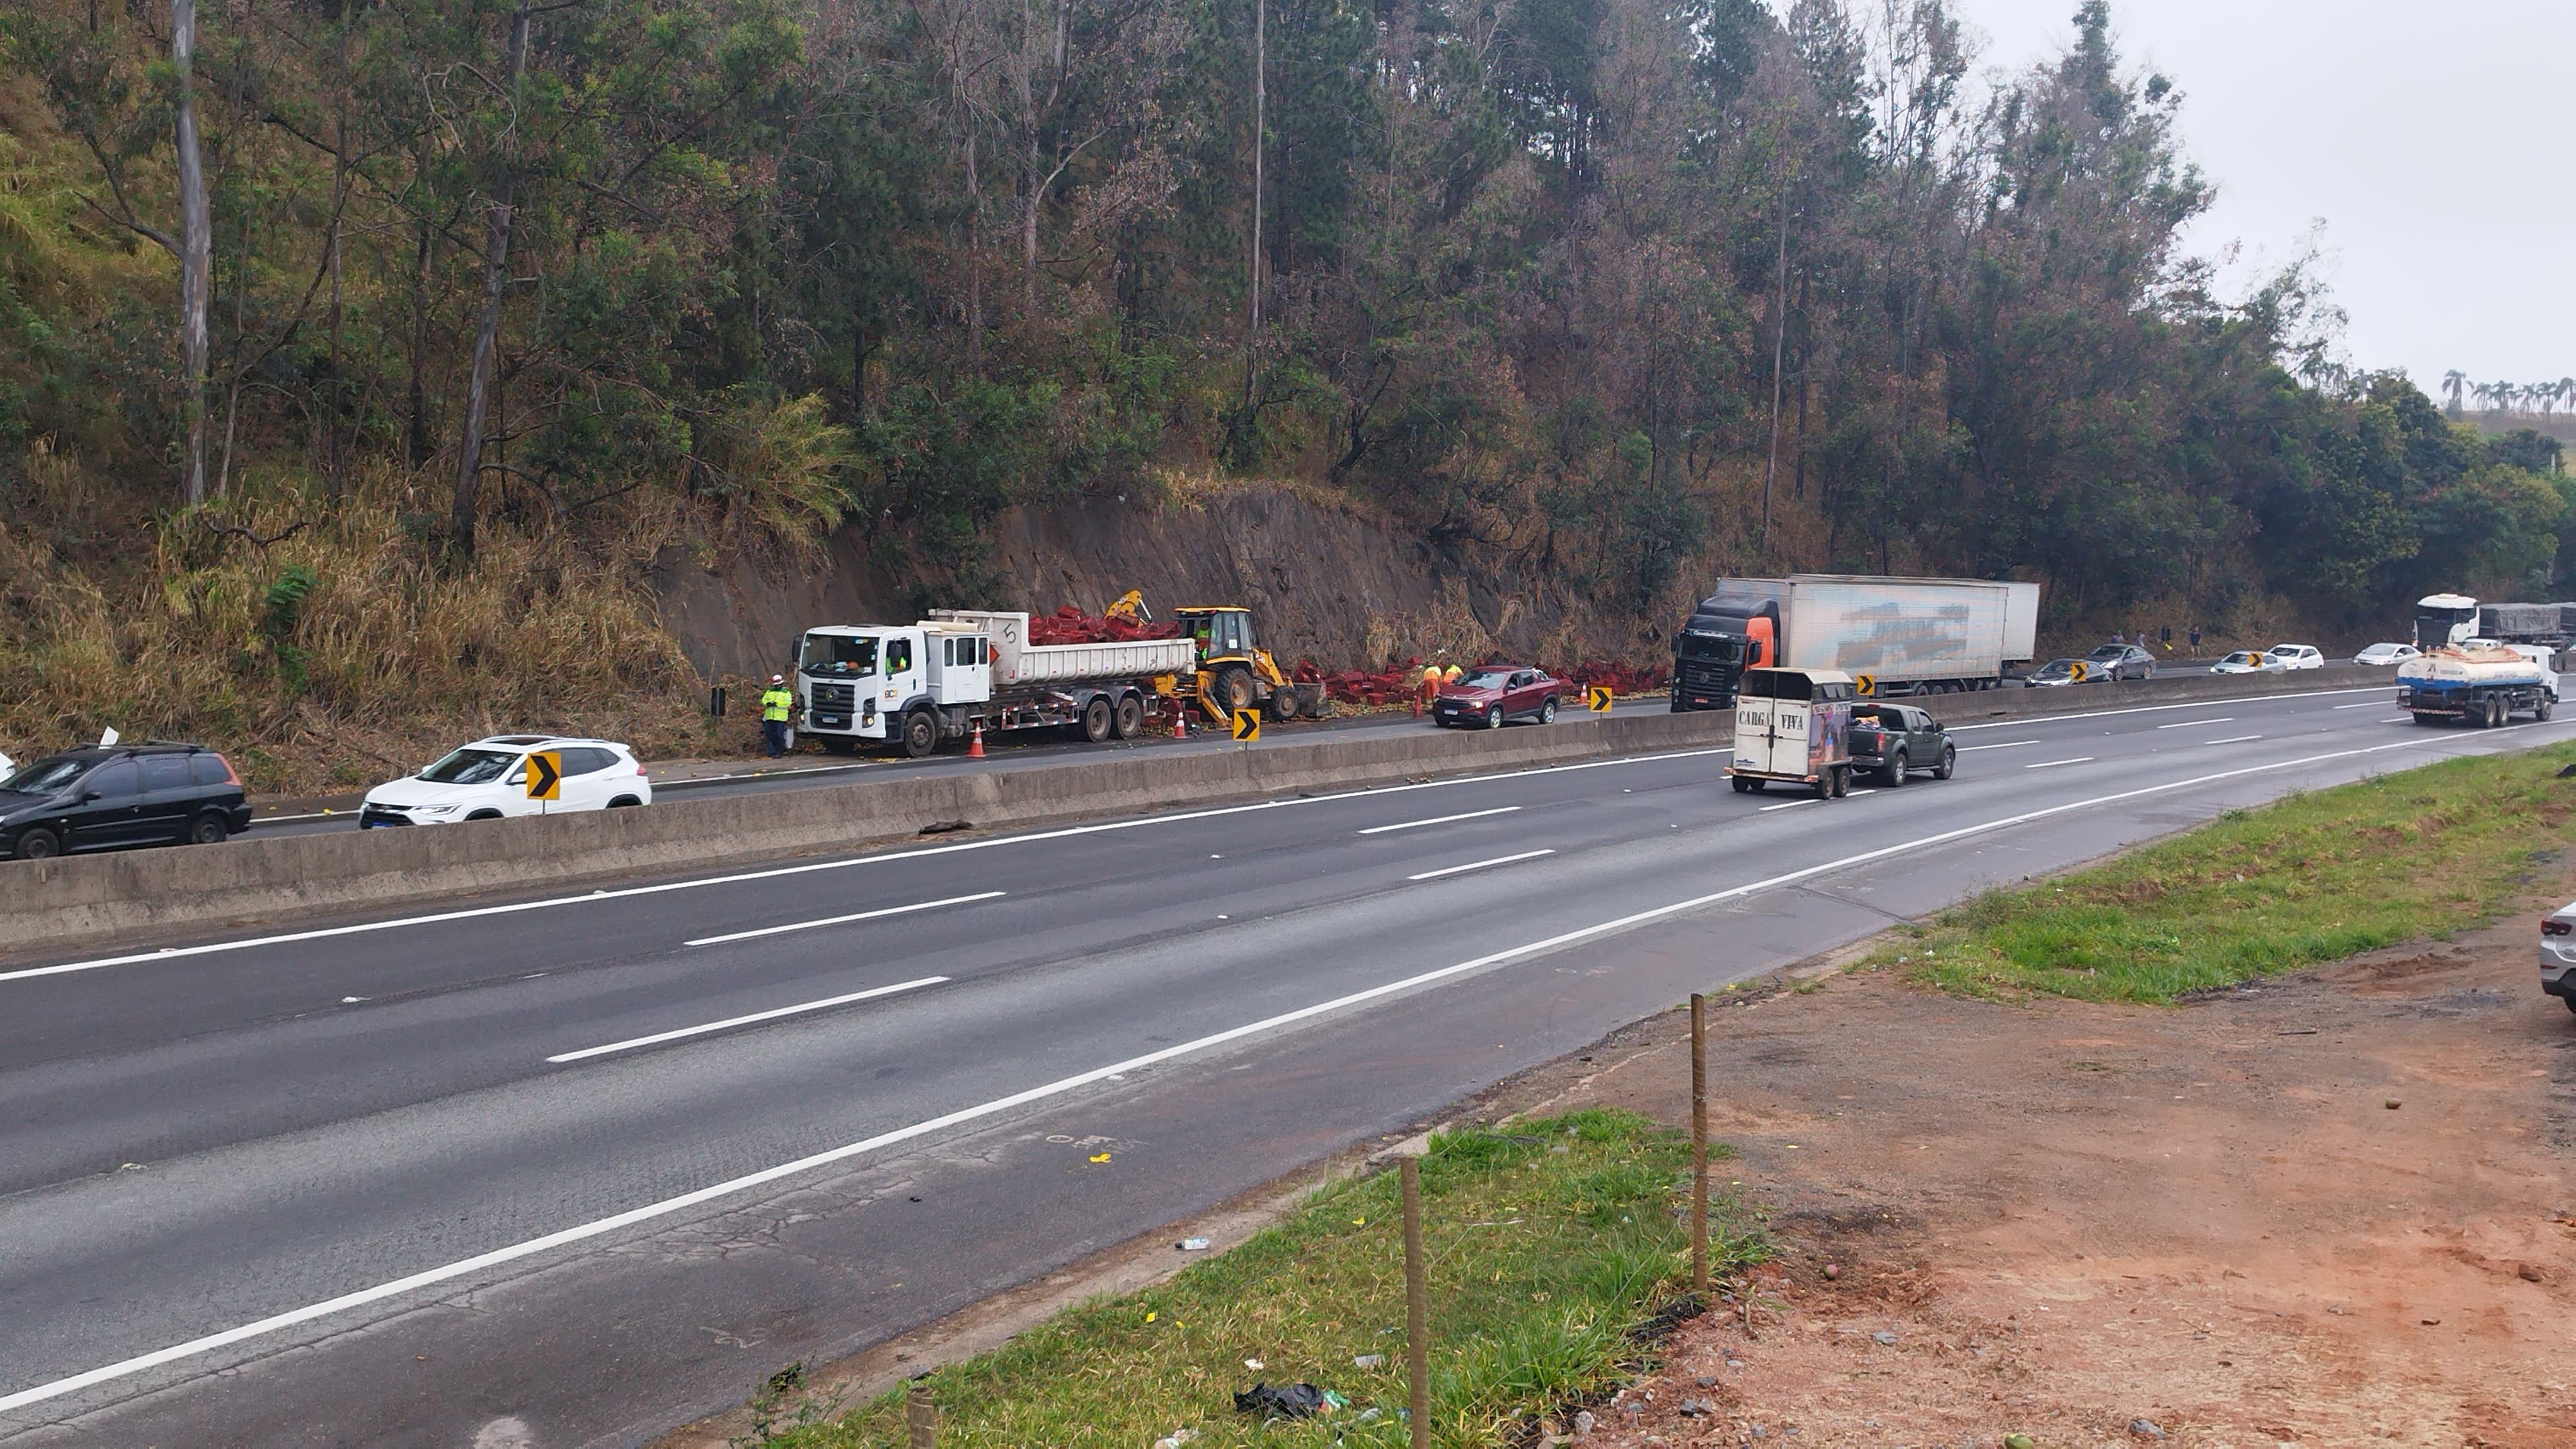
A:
<point x="2558" y="954"/>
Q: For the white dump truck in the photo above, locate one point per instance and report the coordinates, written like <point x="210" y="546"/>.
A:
<point x="961" y="670"/>
<point x="1894" y="636"/>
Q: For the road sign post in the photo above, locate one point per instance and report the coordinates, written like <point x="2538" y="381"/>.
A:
<point x="1247" y="726"/>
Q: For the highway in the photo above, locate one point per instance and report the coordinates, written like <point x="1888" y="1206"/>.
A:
<point x="598" y="1163"/>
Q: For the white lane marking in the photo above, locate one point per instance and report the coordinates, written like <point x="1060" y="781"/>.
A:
<point x="2006" y="745"/>
<point x="843" y="920"/>
<point x="2379" y="689"/>
<point x="2232" y="740"/>
<point x="667" y="1206"/>
<point x="1440" y="820"/>
<point x="2184" y="724"/>
<point x="2397" y="719"/>
<point x="1856" y="794"/>
<point x="733" y="1021"/>
<point x="2053" y="764"/>
<point x="172" y="953"/>
<point x="1480" y="865"/>
<point x="2365" y="704"/>
<point x="1794" y="804"/>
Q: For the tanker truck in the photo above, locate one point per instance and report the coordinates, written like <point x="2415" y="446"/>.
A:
<point x="961" y="670"/>
<point x="1892" y="636"/>
<point x="2477" y="682"/>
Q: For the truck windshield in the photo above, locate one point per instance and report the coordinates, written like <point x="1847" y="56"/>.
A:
<point x="1690" y="645"/>
<point x="839" y="654"/>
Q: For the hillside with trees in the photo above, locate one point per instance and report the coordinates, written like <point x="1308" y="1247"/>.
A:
<point x="358" y="356"/>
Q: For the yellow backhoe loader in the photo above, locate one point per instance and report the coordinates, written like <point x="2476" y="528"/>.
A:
<point x="1234" y="672"/>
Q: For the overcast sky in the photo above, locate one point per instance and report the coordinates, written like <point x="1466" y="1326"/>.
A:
<point x="2436" y="143"/>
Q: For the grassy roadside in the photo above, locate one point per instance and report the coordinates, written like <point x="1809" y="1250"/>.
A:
<point x="1549" y="1240"/>
<point x="2296" y="883"/>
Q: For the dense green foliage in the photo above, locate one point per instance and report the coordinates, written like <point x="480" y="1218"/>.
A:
<point x="1632" y="290"/>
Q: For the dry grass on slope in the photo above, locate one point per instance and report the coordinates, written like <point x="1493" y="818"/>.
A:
<point x="325" y="644"/>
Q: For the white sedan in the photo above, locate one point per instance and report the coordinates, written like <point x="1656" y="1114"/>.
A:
<point x="2298" y="656"/>
<point x="2248" y="661"/>
<point x="2386" y="654"/>
<point x="488" y="780"/>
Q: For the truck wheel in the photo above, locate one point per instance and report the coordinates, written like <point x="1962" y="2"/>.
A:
<point x="1743" y="786"/>
<point x="920" y="734"/>
<point x="1234" y="691"/>
<point x="1842" y="780"/>
<point x="2542" y="710"/>
<point x="1097" y="720"/>
<point x="1896" y="770"/>
<point x="1949" y="762"/>
<point x="2428" y="719"/>
<point x="1129" y="719"/>
<point x="1824" y="785"/>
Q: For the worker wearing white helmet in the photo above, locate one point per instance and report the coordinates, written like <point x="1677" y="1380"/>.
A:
<point x="777" y="706"/>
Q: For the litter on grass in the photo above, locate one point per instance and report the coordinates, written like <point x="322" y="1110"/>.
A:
<point x="1285" y="1401"/>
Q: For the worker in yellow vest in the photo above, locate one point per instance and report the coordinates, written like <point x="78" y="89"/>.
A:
<point x="777" y="707"/>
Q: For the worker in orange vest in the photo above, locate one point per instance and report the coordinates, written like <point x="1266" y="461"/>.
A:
<point x="1429" y="691"/>
<point x="1450" y="675"/>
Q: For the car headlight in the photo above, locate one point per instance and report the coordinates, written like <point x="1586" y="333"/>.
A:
<point x="435" y="809"/>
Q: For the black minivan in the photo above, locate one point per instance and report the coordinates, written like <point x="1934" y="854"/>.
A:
<point x="111" y="795"/>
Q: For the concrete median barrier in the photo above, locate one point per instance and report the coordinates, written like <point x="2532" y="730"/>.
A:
<point x="2173" y="688"/>
<point x="81" y="900"/>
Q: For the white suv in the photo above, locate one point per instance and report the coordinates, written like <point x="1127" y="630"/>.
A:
<point x="2298" y="656"/>
<point x="488" y="780"/>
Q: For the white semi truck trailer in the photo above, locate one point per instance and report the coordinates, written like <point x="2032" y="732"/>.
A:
<point x="1900" y="636"/>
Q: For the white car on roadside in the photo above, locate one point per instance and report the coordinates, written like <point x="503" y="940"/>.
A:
<point x="2298" y="656"/>
<point x="488" y="780"/>
<point x="2387" y="655"/>
<point x="2248" y="661"/>
<point x="2558" y="954"/>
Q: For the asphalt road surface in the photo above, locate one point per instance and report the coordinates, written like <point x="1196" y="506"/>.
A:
<point x="596" y="1164"/>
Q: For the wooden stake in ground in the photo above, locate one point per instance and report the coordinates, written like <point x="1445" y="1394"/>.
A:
<point x="1699" y="1146"/>
<point x="1417" y="1305"/>
<point x="923" y="1417"/>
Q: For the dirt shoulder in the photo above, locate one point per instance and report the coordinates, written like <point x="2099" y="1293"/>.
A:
<point x="2330" y="1208"/>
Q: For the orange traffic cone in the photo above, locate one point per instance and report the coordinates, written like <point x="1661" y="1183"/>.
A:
<point x="1181" y="722"/>
<point x="975" y="746"/>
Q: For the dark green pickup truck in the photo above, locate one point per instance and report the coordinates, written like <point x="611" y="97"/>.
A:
<point x="1897" y="741"/>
